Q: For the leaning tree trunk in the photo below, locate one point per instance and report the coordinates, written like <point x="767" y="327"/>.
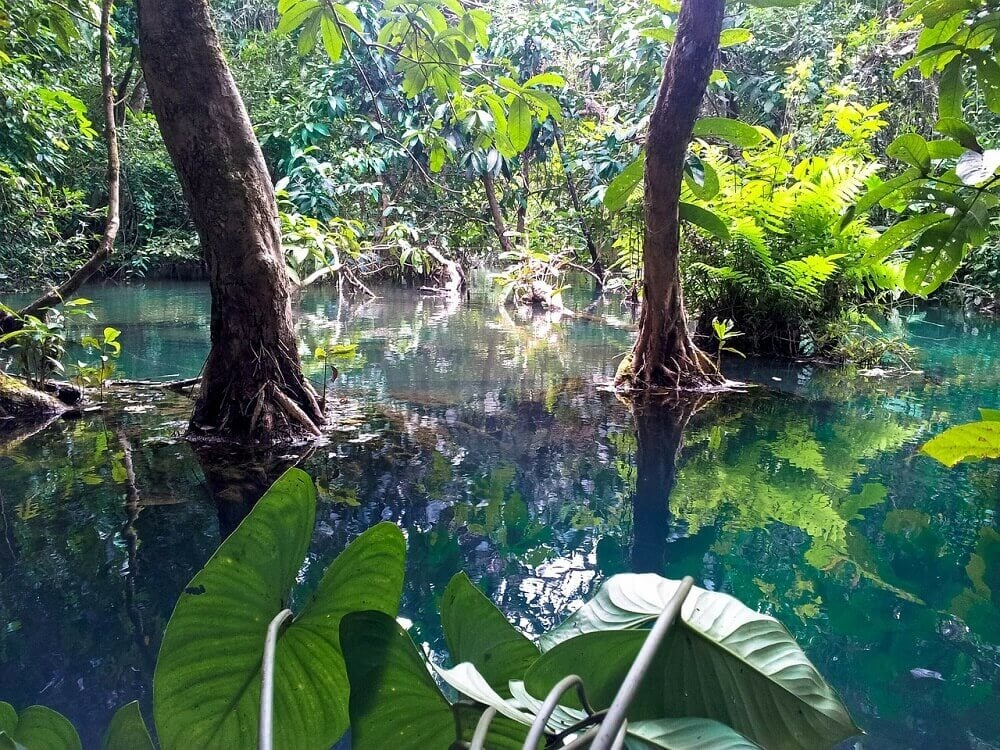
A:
<point x="252" y="385"/>
<point x="665" y="355"/>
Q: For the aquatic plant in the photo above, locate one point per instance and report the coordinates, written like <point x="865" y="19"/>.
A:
<point x="238" y="669"/>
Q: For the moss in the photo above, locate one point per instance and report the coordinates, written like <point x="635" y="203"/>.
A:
<point x="18" y="401"/>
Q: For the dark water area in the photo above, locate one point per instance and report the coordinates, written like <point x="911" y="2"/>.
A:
<point x="490" y="439"/>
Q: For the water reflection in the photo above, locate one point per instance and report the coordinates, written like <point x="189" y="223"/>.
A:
<point x="488" y="438"/>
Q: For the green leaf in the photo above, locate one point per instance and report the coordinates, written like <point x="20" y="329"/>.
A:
<point x="708" y="220"/>
<point x="732" y="37"/>
<point x="206" y="689"/>
<point x="545" y="79"/>
<point x="988" y="71"/>
<point x="519" y="124"/>
<point x="989" y="415"/>
<point x="899" y="235"/>
<point x="912" y="149"/>
<point x="951" y="90"/>
<point x="960" y="131"/>
<point x="624" y="184"/>
<point x="733" y="131"/>
<point x="333" y="41"/>
<point x="941" y="250"/>
<point x="973" y="441"/>
<point x="296" y="15"/>
<point x="127" y="730"/>
<point x="721" y="661"/>
<point x="688" y="734"/>
<point x="394" y="700"/>
<point x="36" y="728"/>
<point x="879" y="193"/>
<point x="477" y="632"/>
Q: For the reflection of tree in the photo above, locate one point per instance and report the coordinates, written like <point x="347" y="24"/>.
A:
<point x="238" y="477"/>
<point x="659" y="424"/>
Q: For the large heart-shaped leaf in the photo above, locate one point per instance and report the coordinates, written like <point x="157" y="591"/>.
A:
<point x="206" y="690"/>
<point x="36" y="728"/>
<point x="477" y="632"/>
<point x="721" y="661"/>
<point x="686" y="734"/>
<point x="127" y="730"/>
<point x="394" y="701"/>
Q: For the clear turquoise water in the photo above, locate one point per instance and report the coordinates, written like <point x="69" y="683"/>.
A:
<point x="490" y="441"/>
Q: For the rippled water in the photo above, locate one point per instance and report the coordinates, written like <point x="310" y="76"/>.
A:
<point x="488" y="438"/>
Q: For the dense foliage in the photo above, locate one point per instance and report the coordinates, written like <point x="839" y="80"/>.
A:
<point x="405" y="135"/>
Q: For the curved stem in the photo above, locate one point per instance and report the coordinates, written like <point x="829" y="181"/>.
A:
<point x="550" y="705"/>
<point x="266" y="740"/>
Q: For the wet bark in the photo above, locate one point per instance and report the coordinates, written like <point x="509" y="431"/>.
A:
<point x="253" y="389"/>
<point x="665" y="356"/>
<point x="499" y="226"/>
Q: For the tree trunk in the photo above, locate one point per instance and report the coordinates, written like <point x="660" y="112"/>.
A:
<point x="498" y="223"/>
<point x="113" y="181"/>
<point x="252" y="387"/>
<point x="574" y="196"/>
<point x="665" y="355"/>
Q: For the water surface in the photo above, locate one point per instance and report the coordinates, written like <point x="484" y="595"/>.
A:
<point x="487" y="437"/>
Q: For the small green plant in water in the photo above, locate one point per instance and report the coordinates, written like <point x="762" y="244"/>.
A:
<point x="725" y="331"/>
<point x="39" y="343"/>
<point x="108" y="349"/>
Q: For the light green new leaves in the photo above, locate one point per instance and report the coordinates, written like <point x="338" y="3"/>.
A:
<point x="127" y="730"/>
<point x="477" y="632"/>
<point x="36" y="728"/>
<point x="206" y="690"/>
<point x="973" y="441"/>
<point x="722" y="661"/>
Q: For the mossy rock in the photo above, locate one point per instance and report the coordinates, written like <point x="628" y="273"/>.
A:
<point x="18" y="401"/>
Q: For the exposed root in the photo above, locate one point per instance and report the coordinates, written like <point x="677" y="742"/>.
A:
<point x="294" y="413"/>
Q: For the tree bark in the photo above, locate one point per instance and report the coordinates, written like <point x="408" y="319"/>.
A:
<point x="498" y="223"/>
<point x="665" y="356"/>
<point x="252" y="388"/>
<point x="113" y="181"/>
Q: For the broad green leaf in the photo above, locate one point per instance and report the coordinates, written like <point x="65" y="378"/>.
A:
<point x="945" y="149"/>
<point x="733" y="131"/>
<point x="477" y="632"/>
<point x="127" y="730"/>
<point x="519" y="124"/>
<point x="912" y="149"/>
<point x="973" y="441"/>
<point x="988" y="71"/>
<point x="935" y="259"/>
<point x="395" y="702"/>
<point x="989" y="415"/>
<point x="36" y="728"/>
<point x="879" y="193"/>
<point x="622" y="187"/>
<point x="975" y="168"/>
<point x="545" y="79"/>
<point x="296" y="15"/>
<point x="959" y="131"/>
<point x="688" y="734"/>
<point x="701" y="178"/>
<point x="732" y="37"/>
<point x="951" y="90"/>
<point x="206" y="689"/>
<point x="899" y="235"/>
<point x="721" y="661"/>
<point x="708" y="220"/>
<point x="333" y="41"/>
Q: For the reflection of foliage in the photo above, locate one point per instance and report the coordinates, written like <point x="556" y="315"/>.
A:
<point x="790" y="472"/>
